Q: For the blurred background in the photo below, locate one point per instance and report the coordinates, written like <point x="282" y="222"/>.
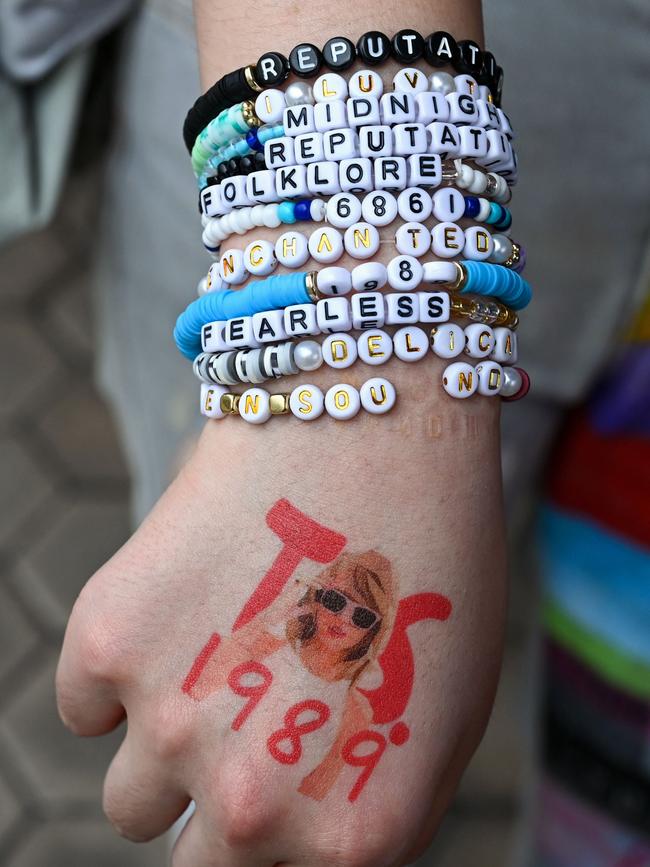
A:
<point x="92" y="178"/>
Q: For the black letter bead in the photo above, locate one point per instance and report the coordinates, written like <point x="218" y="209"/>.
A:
<point x="339" y="53"/>
<point x="408" y="46"/>
<point x="271" y="69"/>
<point x="488" y="69"/>
<point x="497" y="91"/>
<point x="373" y="47"/>
<point x="305" y="60"/>
<point x="470" y="60"/>
<point x="441" y="49"/>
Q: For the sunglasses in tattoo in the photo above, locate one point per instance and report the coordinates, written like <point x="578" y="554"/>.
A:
<point x="336" y="602"/>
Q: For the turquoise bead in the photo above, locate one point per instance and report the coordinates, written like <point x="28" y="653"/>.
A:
<point x="286" y="212"/>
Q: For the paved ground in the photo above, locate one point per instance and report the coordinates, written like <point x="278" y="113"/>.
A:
<point x="64" y="510"/>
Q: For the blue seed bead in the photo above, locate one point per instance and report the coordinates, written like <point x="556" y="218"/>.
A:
<point x="302" y="209"/>
<point x="286" y="212"/>
<point x="472" y="207"/>
<point x="494" y="216"/>
<point x="252" y="140"/>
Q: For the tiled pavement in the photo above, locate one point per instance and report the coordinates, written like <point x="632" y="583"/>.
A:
<point x="64" y="510"/>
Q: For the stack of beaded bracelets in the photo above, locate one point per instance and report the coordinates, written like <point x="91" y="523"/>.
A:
<point x="435" y="150"/>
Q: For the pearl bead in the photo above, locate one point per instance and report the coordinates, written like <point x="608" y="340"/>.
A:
<point x="308" y="355"/>
<point x="502" y="249"/>
<point x="202" y="287"/>
<point x="512" y="382"/>
<point x="317" y="210"/>
<point x="442" y="82"/>
<point x="299" y="93"/>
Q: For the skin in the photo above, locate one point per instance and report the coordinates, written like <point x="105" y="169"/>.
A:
<point x="421" y="486"/>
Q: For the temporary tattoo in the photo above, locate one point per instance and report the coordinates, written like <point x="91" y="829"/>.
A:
<point x="347" y="618"/>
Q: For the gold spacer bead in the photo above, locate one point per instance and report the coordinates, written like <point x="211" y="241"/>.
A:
<point x="514" y="257"/>
<point x="279" y="403"/>
<point x="513" y="322"/>
<point x="249" y="114"/>
<point x="310" y="286"/>
<point x="502" y="316"/>
<point x="461" y="278"/>
<point x="229" y="403"/>
<point x="461" y="306"/>
<point x="249" y="73"/>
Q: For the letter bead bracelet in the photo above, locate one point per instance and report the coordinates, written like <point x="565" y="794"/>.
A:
<point x="347" y="163"/>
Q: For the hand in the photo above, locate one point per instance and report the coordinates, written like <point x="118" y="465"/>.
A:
<point x="292" y="752"/>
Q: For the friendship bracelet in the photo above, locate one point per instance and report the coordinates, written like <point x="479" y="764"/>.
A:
<point x="305" y="60"/>
<point x="362" y="311"/>
<point x="327" y="245"/>
<point x="340" y="350"/>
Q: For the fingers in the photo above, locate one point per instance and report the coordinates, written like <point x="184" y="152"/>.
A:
<point x="85" y="686"/>
<point x="142" y="798"/>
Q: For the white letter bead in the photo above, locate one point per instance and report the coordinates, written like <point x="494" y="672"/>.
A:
<point x="460" y="379"/>
<point x="323" y="178"/>
<point x="397" y="108"/>
<point x="366" y="82"/>
<point x="333" y="314"/>
<point x="390" y="173"/>
<point x="375" y="347"/>
<point x="209" y="202"/>
<point x="291" y="182"/>
<point x="462" y="108"/>
<point x="355" y="175"/>
<point x="505" y="346"/>
<point x="269" y="106"/>
<point x="342" y="210"/>
<point x="413" y="239"/>
<point x="279" y="152"/>
<point x="375" y="141"/>
<point x="425" y="170"/>
<point x="254" y="406"/>
<point x="342" y="401"/>
<point x="439" y="272"/>
<point x="409" y="138"/>
<point x="490" y="377"/>
<point x="377" y="395"/>
<point x="260" y="258"/>
<point x="268" y="326"/>
<point x="434" y="306"/>
<point x="309" y="148"/>
<point x="367" y="310"/>
<point x="369" y="276"/>
<point x="211" y="400"/>
<point x="300" y="319"/>
<point x="233" y="192"/>
<point x="379" y="209"/>
<point x="363" y="111"/>
<point x="447" y="240"/>
<point x="239" y="332"/>
<point x="404" y="273"/>
<point x="326" y="245"/>
<point x="330" y="86"/>
<point x="402" y="308"/>
<point x="291" y="249"/>
<point x="443" y="139"/>
<point x="213" y="280"/>
<point x="478" y="243"/>
<point x="339" y="350"/>
<point x="410" y="80"/>
<point x="340" y="144"/>
<point x="466" y="84"/>
<point x="232" y="267"/>
<point x="260" y="186"/>
<point x="473" y="142"/>
<point x="479" y="340"/>
<point x="212" y="337"/>
<point x="448" y="205"/>
<point x="330" y="115"/>
<point x="333" y="280"/>
<point x="414" y="204"/>
<point x="410" y="343"/>
<point x="306" y="402"/>
<point x="298" y="119"/>
<point x="361" y="241"/>
<point x="448" y="340"/>
<point x="488" y="115"/>
<point x="431" y="106"/>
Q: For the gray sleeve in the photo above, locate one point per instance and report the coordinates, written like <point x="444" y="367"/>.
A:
<point x="36" y="35"/>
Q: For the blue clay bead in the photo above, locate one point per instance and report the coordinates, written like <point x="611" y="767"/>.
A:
<point x="302" y="209"/>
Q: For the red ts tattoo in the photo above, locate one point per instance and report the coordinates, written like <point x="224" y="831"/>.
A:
<point x="346" y="618"/>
